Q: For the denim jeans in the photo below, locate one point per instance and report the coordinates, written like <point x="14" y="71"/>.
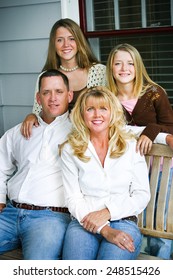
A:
<point x="160" y="247"/>
<point x="39" y="232"/>
<point x="80" y="244"/>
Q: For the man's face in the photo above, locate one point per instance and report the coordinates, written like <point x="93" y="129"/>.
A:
<point x="54" y="97"/>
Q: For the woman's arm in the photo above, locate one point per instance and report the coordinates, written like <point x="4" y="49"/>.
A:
<point x="136" y="199"/>
<point x="96" y="220"/>
<point x="97" y="75"/>
<point x="161" y="138"/>
<point x="36" y="107"/>
<point x="31" y="119"/>
<point x="144" y="144"/>
<point x="161" y="119"/>
<point x="118" y="237"/>
<point x="73" y="196"/>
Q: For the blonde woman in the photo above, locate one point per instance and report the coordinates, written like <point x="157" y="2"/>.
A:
<point x="70" y="53"/>
<point x="106" y="181"/>
<point x="145" y="104"/>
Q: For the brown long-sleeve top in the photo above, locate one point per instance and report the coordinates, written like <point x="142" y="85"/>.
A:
<point x="154" y="111"/>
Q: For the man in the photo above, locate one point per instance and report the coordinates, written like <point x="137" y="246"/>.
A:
<point x="30" y="176"/>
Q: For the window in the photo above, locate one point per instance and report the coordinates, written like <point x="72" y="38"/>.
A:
<point x="146" y="24"/>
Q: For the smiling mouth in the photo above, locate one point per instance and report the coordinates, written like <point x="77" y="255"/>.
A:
<point x="97" y="122"/>
<point x="53" y="105"/>
<point x="66" y="51"/>
<point x="124" y="74"/>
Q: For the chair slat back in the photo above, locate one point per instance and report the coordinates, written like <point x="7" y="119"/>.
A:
<point x="157" y="219"/>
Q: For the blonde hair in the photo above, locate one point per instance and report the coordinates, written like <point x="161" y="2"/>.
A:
<point x="85" y="56"/>
<point x="80" y="135"/>
<point x="142" y="80"/>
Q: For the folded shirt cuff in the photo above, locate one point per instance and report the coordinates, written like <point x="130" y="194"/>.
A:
<point x="100" y="228"/>
<point x="161" y="138"/>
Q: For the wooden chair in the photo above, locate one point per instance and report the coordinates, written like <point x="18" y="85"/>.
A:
<point x="152" y="222"/>
<point x="12" y="255"/>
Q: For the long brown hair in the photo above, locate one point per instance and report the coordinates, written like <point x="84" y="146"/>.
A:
<point x="85" y="57"/>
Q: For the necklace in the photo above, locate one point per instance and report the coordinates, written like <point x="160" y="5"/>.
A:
<point x="69" y="69"/>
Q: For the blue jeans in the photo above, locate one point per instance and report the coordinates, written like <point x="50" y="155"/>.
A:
<point x="160" y="247"/>
<point x="80" y="244"/>
<point x="39" y="232"/>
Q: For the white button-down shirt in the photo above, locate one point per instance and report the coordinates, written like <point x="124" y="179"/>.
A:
<point x="122" y="185"/>
<point x="38" y="179"/>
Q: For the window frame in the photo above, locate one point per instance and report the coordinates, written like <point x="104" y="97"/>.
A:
<point x="145" y="31"/>
<point x="109" y="33"/>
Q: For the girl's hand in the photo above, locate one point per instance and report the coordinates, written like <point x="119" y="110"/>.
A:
<point x="144" y="145"/>
<point x="27" y="125"/>
<point x="169" y="141"/>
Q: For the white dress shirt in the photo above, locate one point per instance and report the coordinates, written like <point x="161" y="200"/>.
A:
<point x="38" y="179"/>
<point x="122" y="185"/>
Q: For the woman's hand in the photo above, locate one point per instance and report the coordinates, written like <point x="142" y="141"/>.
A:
<point x="144" y="145"/>
<point x="169" y="141"/>
<point x="120" y="238"/>
<point x="27" y="125"/>
<point x="96" y="219"/>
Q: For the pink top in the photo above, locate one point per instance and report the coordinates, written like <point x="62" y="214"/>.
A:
<point x="129" y="104"/>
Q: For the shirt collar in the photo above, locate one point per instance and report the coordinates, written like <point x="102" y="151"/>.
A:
<point x="56" y="120"/>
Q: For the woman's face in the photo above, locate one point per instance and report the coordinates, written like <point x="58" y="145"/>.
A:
<point x="97" y="116"/>
<point x="123" y="68"/>
<point x="65" y="44"/>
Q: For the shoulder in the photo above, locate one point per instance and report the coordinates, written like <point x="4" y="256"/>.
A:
<point x="38" y="77"/>
<point x="66" y="148"/>
<point x="131" y="144"/>
<point x="156" y="90"/>
<point x="154" y="94"/>
<point x="67" y="154"/>
<point x="41" y="73"/>
<point x="131" y="147"/>
<point x="131" y="152"/>
<point x="14" y="129"/>
<point x="12" y="133"/>
<point x="96" y="75"/>
<point x="98" y="67"/>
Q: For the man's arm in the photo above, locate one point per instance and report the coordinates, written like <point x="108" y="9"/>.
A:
<point x="7" y="166"/>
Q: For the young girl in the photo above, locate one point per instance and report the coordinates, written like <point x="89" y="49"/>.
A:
<point x="70" y="53"/>
<point x="145" y="103"/>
